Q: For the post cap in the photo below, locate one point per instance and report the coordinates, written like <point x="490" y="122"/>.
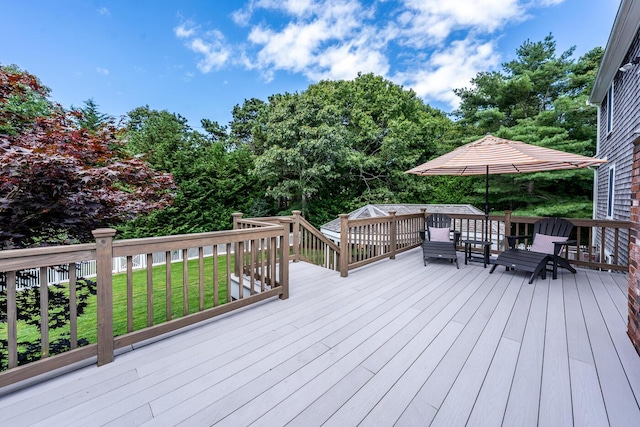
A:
<point x="103" y="232"/>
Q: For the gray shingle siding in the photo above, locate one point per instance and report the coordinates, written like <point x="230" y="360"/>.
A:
<point x="617" y="147"/>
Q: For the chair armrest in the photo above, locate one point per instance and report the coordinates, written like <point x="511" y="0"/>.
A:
<point x="456" y="236"/>
<point x="513" y="240"/>
<point x="557" y="246"/>
<point x="566" y="242"/>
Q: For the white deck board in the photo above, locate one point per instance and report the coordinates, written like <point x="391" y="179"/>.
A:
<point x="588" y="406"/>
<point x="391" y="405"/>
<point x="458" y="404"/>
<point x="333" y="372"/>
<point x="395" y="343"/>
<point x="621" y="405"/>
<point x="323" y="407"/>
<point x="622" y="280"/>
<point x="578" y="344"/>
<point x="442" y="297"/>
<point x="524" y="397"/>
<point x="555" y="391"/>
<point x="440" y="382"/>
<point x="66" y="402"/>
<point x="620" y="303"/>
<point x="488" y="409"/>
<point x="520" y="312"/>
<point x="617" y="330"/>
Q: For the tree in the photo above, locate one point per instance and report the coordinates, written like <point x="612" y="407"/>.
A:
<point x="391" y="130"/>
<point x="340" y="144"/>
<point x="539" y="98"/>
<point x="89" y="118"/>
<point x="58" y="182"/>
<point x="247" y="125"/>
<point x="159" y="135"/>
<point x="527" y="86"/>
<point x="23" y="98"/>
<point x="210" y="173"/>
<point x="305" y="147"/>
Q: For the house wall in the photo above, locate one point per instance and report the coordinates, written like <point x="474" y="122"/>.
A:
<point x="633" y="328"/>
<point x="617" y="147"/>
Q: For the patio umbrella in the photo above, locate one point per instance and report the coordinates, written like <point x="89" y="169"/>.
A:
<point x="491" y="155"/>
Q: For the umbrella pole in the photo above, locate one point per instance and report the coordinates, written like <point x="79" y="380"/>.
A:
<point x="486" y="207"/>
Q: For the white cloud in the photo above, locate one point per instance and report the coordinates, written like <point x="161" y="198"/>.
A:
<point x="242" y="17"/>
<point x="346" y="61"/>
<point x="211" y="46"/>
<point x="188" y="76"/>
<point x="333" y="42"/>
<point x="184" y="30"/>
<point x="298" y="8"/>
<point x="547" y="3"/>
<point x="103" y="71"/>
<point x="428" y="22"/>
<point x="104" y="11"/>
<point x="450" y="68"/>
<point x="431" y="46"/>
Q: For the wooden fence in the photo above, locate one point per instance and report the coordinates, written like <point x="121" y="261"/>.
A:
<point x="248" y="264"/>
<point x="260" y="250"/>
<point x="363" y="241"/>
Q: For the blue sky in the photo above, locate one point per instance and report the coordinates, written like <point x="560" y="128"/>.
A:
<point x="200" y="58"/>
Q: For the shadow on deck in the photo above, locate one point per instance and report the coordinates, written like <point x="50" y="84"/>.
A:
<point x="394" y="343"/>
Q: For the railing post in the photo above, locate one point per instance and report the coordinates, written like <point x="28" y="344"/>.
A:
<point x="507" y="228"/>
<point x="104" y="271"/>
<point x="344" y="245"/>
<point x="296" y="235"/>
<point x="394" y="237"/>
<point x="284" y="257"/>
<point x="236" y="247"/>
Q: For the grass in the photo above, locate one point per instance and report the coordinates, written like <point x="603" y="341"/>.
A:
<point x="87" y="322"/>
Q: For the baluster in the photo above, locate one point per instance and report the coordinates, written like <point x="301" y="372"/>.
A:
<point x="149" y="289"/>
<point x="252" y="265"/>
<point x="12" y="319"/>
<point x="215" y="276"/>
<point x="185" y="282"/>
<point x="73" y="307"/>
<point x="201" y="276"/>
<point x="44" y="313"/>
<point x="229" y="255"/>
<point x="129" y="293"/>
<point x="168" y="303"/>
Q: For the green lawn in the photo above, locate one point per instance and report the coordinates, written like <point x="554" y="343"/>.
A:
<point x="87" y="323"/>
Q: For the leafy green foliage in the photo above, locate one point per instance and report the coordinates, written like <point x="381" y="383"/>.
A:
<point x="28" y="304"/>
<point x="58" y="181"/>
<point x="333" y="147"/>
<point x="89" y="117"/>
<point x="539" y="98"/>
<point x="340" y="144"/>
<point x="211" y="175"/>
<point x="23" y="98"/>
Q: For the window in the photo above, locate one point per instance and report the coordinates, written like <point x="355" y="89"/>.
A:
<point x="610" y="194"/>
<point x="610" y="108"/>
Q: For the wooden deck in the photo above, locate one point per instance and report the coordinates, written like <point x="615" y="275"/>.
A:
<point x="395" y="343"/>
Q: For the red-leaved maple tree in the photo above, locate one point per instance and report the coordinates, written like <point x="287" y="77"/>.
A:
<point x="59" y="181"/>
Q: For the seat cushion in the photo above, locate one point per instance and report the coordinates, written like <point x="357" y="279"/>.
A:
<point x="439" y="234"/>
<point x="543" y="243"/>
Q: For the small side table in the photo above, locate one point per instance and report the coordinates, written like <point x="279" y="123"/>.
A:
<point x="469" y="256"/>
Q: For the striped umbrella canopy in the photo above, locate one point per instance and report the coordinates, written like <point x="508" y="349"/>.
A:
<point x="491" y="155"/>
<point x="502" y="156"/>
